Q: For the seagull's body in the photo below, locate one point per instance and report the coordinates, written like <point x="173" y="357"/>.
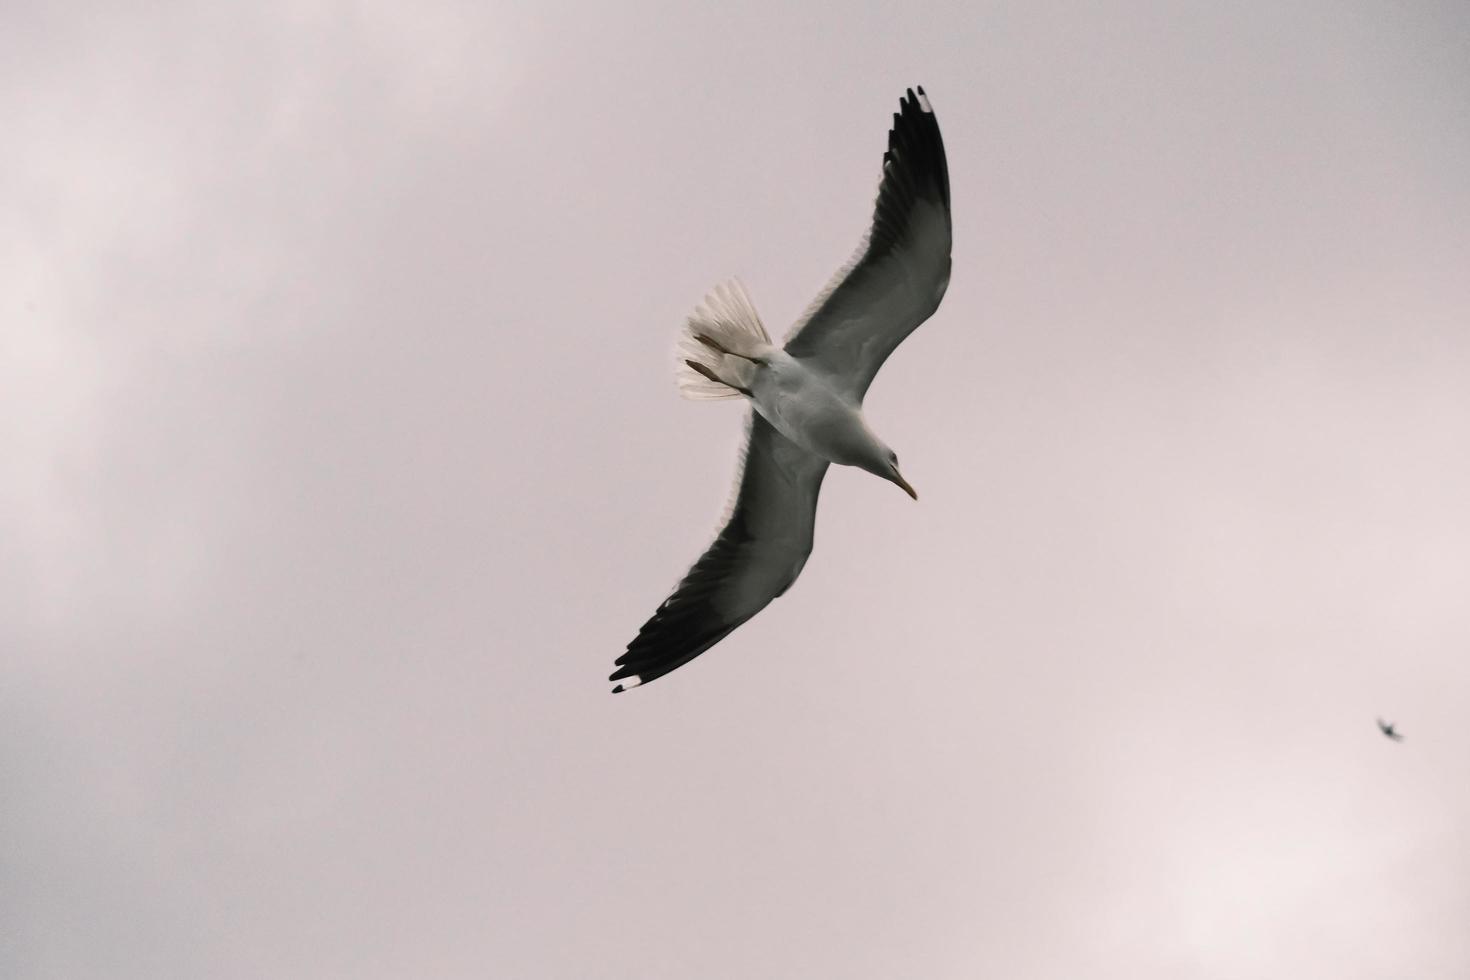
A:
<point x="806" y="398"/>
<point x="1386" y="727"/>
<point x="805" y="408"/>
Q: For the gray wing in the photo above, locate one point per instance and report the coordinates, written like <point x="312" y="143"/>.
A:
<point x="900" y="273"/>
<point x="758" y="554"/>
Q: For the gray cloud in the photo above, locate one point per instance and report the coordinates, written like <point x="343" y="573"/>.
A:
<point x="341" y="455"/>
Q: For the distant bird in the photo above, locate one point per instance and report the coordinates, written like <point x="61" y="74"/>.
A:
<point x="1387" y="729"/>
<point x="807" y="398"/>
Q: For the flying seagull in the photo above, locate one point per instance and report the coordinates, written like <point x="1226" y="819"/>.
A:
<point x="806" y="398"/>
<point x="1387" y="729"/>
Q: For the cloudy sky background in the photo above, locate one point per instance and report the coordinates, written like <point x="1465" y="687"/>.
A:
<point x="340" y="455"/>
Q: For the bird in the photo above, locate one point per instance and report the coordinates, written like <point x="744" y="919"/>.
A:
<point x="1387" y="728"/>
<point x="805" y="398"/>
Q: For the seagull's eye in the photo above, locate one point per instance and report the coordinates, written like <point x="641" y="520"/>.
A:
<point x="893" y="459"/>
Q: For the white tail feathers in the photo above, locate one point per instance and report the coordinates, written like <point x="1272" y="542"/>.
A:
<point x="719" y="345"/>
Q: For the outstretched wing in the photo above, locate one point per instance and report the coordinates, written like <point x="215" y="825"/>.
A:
<point x="900" y="272"/>
<point x="758" y="554"/>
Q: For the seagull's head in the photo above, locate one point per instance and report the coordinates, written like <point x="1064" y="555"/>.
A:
<point x="894" y="476"/>
<point x="854" y="444"/>
<point x="884" y="463"/>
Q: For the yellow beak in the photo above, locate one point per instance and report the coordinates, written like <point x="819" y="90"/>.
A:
<point x="898" y="478"/>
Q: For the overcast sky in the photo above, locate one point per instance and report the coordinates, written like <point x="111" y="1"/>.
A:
<point x="340" y="454"/>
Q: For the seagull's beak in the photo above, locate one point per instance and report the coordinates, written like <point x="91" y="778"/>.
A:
<point x="898" y="478"/>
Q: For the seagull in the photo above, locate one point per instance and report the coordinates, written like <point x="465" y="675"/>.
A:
<point x="806" y="398"/>
<point x="1387" y="729"/>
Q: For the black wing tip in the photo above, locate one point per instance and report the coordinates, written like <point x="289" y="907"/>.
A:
<point x="634" y="680"/>
<point x="915" y="136"/>
<point x="916" y="98"/>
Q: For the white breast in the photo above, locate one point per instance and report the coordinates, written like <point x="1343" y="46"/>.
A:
<point x="806" y="410"/>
